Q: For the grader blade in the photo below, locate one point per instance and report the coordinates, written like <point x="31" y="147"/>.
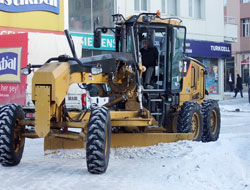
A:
<point x="118" y="140"/>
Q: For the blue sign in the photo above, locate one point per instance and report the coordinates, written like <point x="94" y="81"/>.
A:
<point x="208" y="49"/>
<point x="8" y="63"/>
<point x="17" y="6"/>
<point x="107" y="42"/>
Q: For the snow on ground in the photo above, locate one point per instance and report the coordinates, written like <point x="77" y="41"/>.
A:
<point x="224" y="164"/>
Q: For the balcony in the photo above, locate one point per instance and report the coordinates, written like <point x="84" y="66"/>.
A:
<point x="230" y="29"/>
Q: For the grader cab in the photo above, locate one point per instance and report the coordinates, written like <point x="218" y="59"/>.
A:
<point x="173" y="109"/>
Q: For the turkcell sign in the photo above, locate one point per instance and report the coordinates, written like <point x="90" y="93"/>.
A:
<point x="8" y="63"/>
<point x="208" y="49"/>
<point x="17" y="6"/>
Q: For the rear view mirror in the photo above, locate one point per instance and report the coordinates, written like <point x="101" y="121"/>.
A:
<point x="97" y="39"/>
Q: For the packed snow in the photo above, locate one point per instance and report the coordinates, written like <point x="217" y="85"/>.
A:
<point x="224" y="164"/>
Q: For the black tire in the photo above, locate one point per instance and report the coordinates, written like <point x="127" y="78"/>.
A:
<point x="98" y="140"/>
<point x="211" y="120"/>
<point x="11" y="140"/>
<point x="190" y="120"/>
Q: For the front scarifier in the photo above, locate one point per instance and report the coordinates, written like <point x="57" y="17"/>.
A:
<point x="11" y="140"/>
<point x="98" y="140"/>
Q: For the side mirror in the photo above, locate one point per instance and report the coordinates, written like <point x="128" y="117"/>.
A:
<point x="97" y="39"/>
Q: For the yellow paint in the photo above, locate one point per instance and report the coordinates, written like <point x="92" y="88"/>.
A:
<point x="42" y="121"/>
<point x="41" y="20"/>
<point x="57" y="76"/>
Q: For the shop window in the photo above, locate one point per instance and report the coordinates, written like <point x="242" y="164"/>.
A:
<point x="245" y="27"/>
<point x="212" y="78"/>
<point x="244" y="72"/>
<point x="91" y="52"/>
<point x="82" y="14"/>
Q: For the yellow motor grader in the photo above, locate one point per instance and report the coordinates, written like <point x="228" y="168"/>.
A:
<point x="173" y="109"/>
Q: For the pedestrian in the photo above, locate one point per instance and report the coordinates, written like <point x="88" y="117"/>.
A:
<point x="248" y="84"/>
<point x="239" y="86"/>
<point x="230" y="81"/>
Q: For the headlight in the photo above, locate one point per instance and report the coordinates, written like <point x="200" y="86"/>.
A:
<point x="96" y="70"/>
<point x="26" y="70"/>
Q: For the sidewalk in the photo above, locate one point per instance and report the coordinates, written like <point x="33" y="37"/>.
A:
<point x="229" y="95"/>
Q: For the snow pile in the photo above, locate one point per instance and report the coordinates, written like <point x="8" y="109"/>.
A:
<point x="220" y="165"/>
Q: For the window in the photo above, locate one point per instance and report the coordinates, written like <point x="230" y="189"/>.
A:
<point x="212" y="77"/>
<point x="144" y="5"/>
<point x="245" y="27"/>
<point x="197" y="9"/>
<point x="245" y="1"/>
<point x="137" y="5"/>
<point x="82" y="14"/>
<point x="225" y="3"/>
<point x="177" y="63"/>
<point x="191" y="8"/>
<point x="141" y="5"/>
<point x="172" y="7"/>
<point x="163" y="6"/>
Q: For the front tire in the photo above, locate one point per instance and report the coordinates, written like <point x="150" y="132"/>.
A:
<point x="211" y="120"/>
<point x="11" y="140"/>
<point x="190" y="120"/>
<point x="98" y="140"/>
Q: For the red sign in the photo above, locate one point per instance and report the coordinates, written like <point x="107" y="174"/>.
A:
<point x="245" y="60"/>
<point x="13" y="57"/>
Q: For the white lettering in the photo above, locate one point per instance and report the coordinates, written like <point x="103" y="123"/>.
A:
<point x="29" y="2"/>
<point x="8" y="2"/>
<point x="90" y="41"/>
<point x="189" y="51"/>
<point x="109" y="43"/>
<point x="104" y="42"/>
<point x="6" y="63"/>
<point x="220" y="48"/>
<point x="84" y="41"/>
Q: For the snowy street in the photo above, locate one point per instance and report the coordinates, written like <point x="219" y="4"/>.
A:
<point x="223" y="165"/>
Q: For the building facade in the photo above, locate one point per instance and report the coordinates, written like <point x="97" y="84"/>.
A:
<point x="239" y="12"/>
<point x="204" y="19"/>
<point x="208" y="37"/>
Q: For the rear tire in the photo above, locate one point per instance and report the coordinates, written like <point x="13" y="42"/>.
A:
<point x="190" y="120"/>
<point x="11" y="140"/>
<point x="98" y="140"/>
<point x="211" y="120"/>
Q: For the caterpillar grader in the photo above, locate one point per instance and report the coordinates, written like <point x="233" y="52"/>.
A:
<point x="174" y="108"/>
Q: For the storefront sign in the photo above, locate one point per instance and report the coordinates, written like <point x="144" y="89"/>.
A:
<point x="208" y="49"/>
<point x="45" y="15"/>
<point x="10" y="63"/>
<point x="17" y="6"/>
<point x="13" y="56"/>
<point x="107" y="42"/>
